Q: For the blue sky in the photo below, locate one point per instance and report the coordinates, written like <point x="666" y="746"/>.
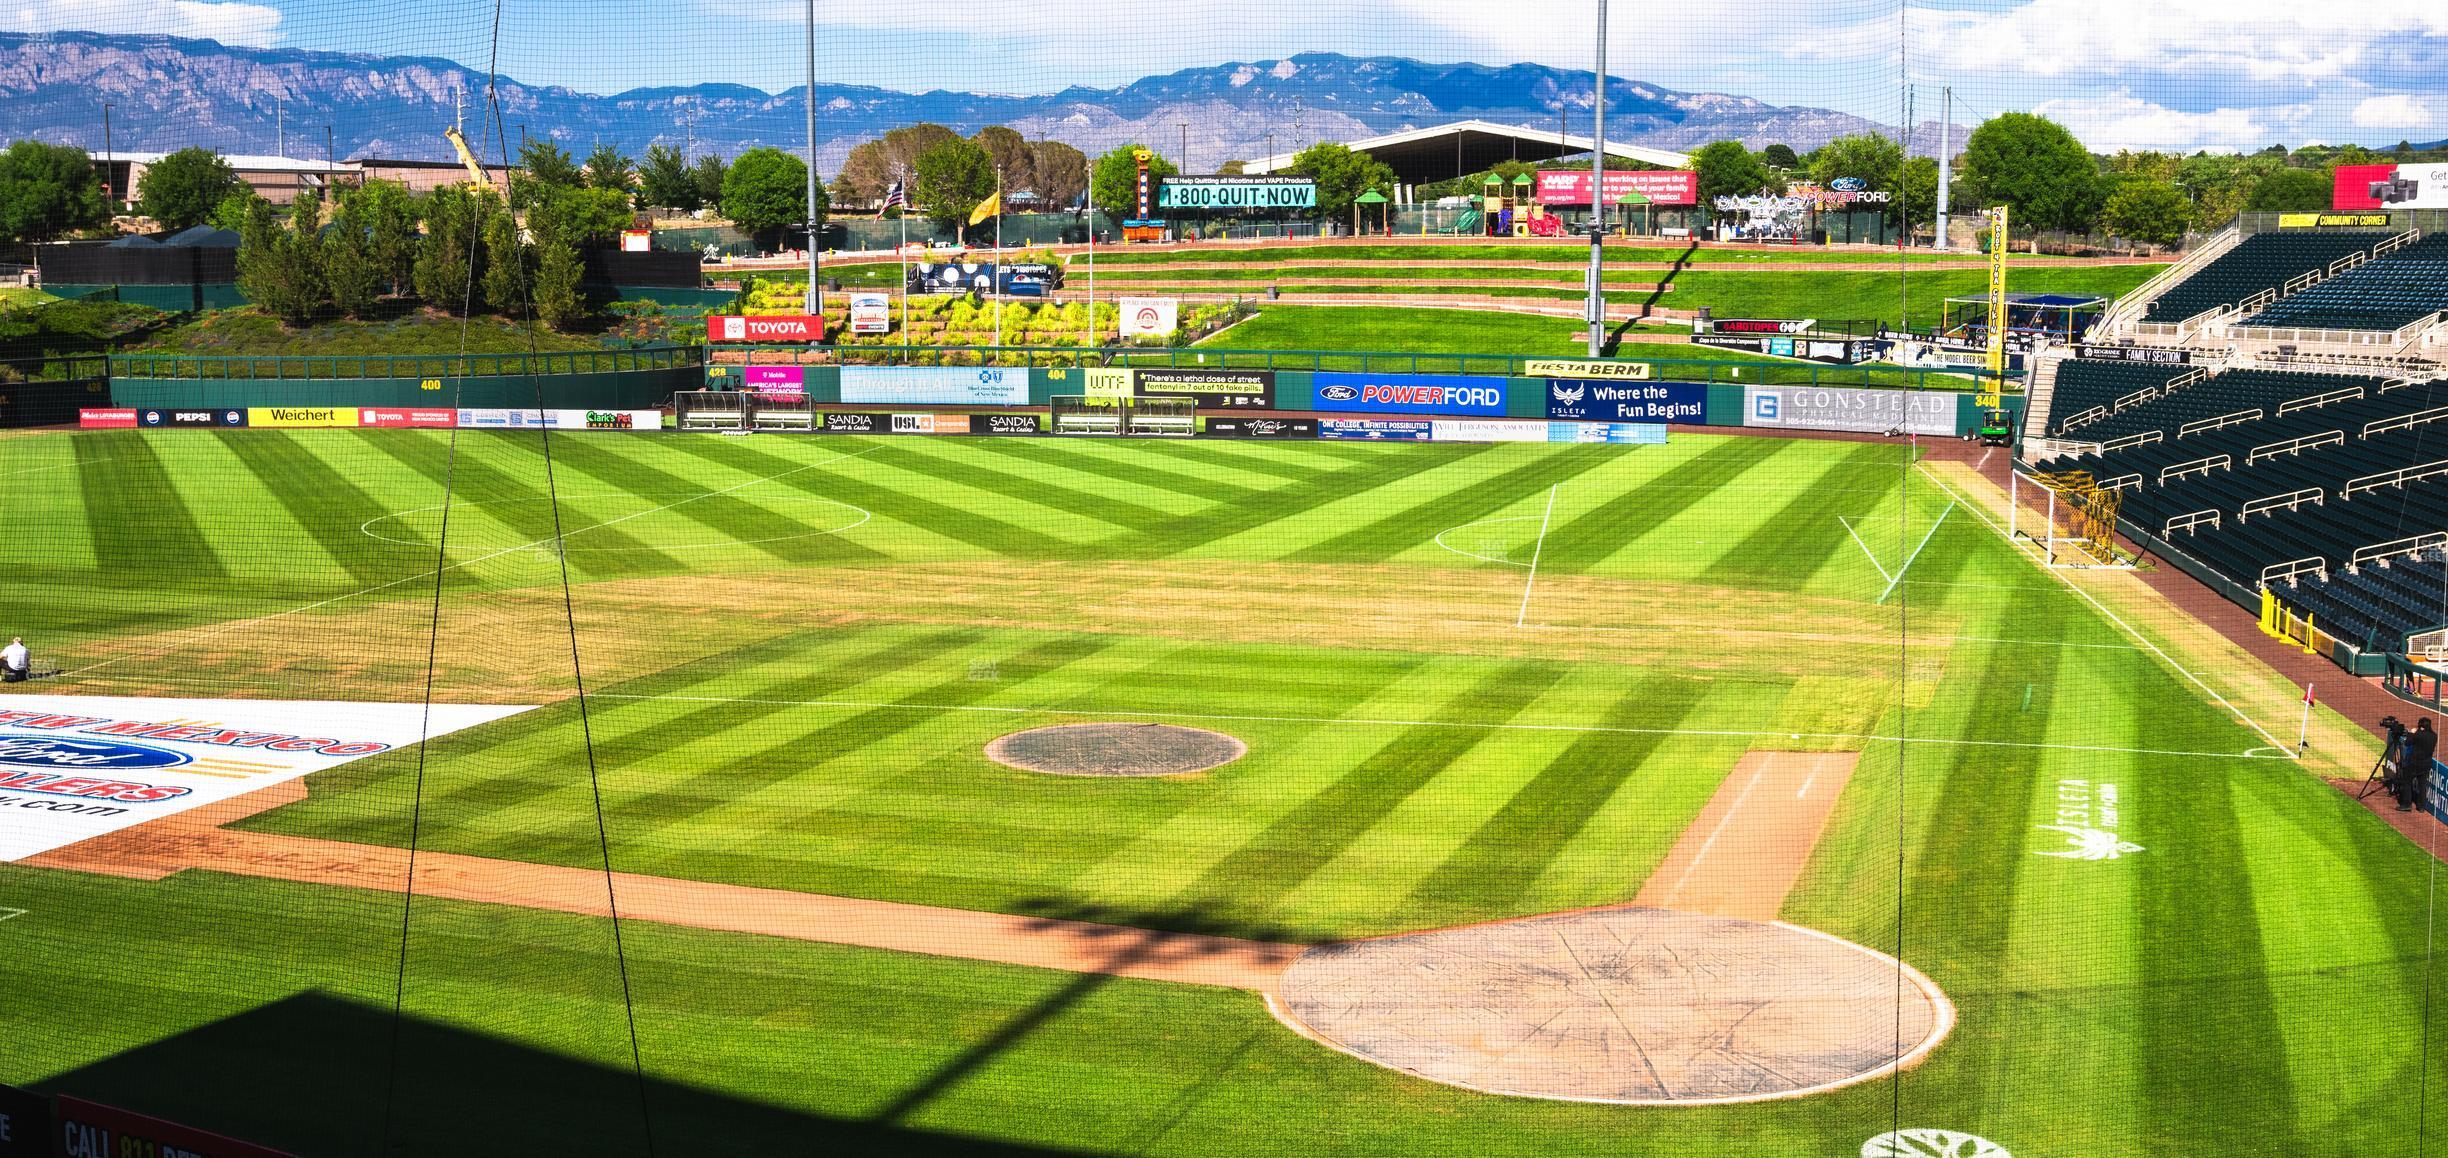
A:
<point x="2141" y="73"/>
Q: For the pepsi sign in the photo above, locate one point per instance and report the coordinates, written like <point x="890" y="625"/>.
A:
<point x="20" y="751"/>
<point x="1458" y="394"/>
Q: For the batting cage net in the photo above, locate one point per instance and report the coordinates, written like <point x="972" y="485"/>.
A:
<point x="1201" y="579"/>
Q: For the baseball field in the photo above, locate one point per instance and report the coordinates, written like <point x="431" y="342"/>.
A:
<point x="1740" y="707"/>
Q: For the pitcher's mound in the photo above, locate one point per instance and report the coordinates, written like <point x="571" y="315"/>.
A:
<point x="1116" y="750"/>
<point x="1636" y="1006"/>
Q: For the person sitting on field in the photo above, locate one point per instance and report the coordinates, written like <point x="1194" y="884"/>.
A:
<point x="16" y="665"/>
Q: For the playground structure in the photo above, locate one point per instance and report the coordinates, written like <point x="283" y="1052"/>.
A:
<point x="1511" y="209"/>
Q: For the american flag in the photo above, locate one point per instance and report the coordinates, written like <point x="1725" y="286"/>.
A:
<point x="896" y="197"/>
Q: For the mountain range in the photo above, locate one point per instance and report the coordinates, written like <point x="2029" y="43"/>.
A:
<point x="168" y="92"/>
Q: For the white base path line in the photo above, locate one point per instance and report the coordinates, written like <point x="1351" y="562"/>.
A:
<point x="11" y="914"/>
<point x="1726" y="733"/>
<point x="2285" y="753"/>
<point x="1535" y="552"/>
<point x="1857" y="541"/>
<point x="238" y="625"/>
<point x="1724" y="818"/>
<point x="1898" y="577"/>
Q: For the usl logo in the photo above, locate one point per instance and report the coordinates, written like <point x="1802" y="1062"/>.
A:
<point x="1338" y="393"/>
<point x="64" y="752"/>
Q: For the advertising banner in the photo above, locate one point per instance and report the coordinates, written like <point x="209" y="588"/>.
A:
<point x="1486" y="430"/>
<point x="785" y="380"/>
<point x="1865" y="411"/>
<point x="1374" y="429"/>
<point x="1618" y="433"/>
<point x="847" y="422"/>
<point x="1214" y="389"/>
<point x="1620" y="402"/>
<point x="2333" y="221"/>
<point x="1003" y="424"/>
<point x="500" y="419"/>
<point x="1231" y="191"/>
<point x="156" y="418"/>
<point x="1150" y="316"/>
<point x="1408" y="393"/>
<point x="2152" y="354"/>
<point x="936" y="385"/>
<point x="301" y="417"/>
<point x="91" y="1128"/>
<point x="1762" y="325"/>
<point x="930" y="423"/>
<point x="1572" y="186"/>
<point x="1106" y="385"/>
<point x="2391" y="187"/>
<point x="871" y="313"/>
<point x="772" y="328"/>
<point x="106" y="419"/>
<point x="434" y="419"/>
<point x="25" y="1124"/>
<point x="1582" y="368"/>
<point x="76" y="767"/>
<point x="1261" y="428"/>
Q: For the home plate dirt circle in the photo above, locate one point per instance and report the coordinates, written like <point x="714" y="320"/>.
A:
<point x="1639" y="1006"/>
<point x="1116" y="750"/>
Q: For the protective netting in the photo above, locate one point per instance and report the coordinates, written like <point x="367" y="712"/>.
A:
<point x="1168" y="634"/>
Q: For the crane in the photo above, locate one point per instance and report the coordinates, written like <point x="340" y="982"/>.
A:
<point x="467" y="156"/>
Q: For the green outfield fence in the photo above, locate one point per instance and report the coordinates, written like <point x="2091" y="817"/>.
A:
<point x="619" y="378"/>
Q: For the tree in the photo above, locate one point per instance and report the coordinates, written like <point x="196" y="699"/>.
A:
<point x="447" y="259"/>
<point x="1010" y="153"/>
<point x="181" y="191"/>
<point x="281" y="269"/>
<point x="606" y="168"/>
<point x="236" y="210"/>
<point x="765" y="190"/>
<point x="709" y="174"/>
<point x="664" y="181"/>
<point x="1727" y="169"/>
<point x="353" y="274"/>
<point x="903" y="146"/>
<point x="2220" y="184"/>
<point x="2148" y="209"/>
<point x="953" y="177"/>
<point x="1779" y="157"/>
<point x="584" y="218"/>
<point x="2291" y="191"/>
<point x="1916" y="198"/>
<point x="2036" y="167"/>
<point x="1341" y="175"/>
<point x="47" y="191"/>
<point x="1062" y="173"/>
<point x="1114" y="183"/>
<point x="1875" y="161"/>
<point x="560" y="302"/>
<point x="548" y="164"/>
<point x="865" y="174"/>
<point x="505" y="265"/>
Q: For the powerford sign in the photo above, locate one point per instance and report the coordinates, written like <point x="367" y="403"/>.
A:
<point x="935" y="385"/>
<point x="1407" y="393"/>
<point x="1583" y="398"/>
<point x="1863" y="411"/>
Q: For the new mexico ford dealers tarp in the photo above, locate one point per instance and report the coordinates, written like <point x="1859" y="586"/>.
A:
<point x="1407" y="393"/>
<point x="1867" y="411"/>
<point x="1604" y="401"/>
<point x="935" y="385"/>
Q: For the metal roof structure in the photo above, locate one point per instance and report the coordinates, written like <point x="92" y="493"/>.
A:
<point x="1458" y="149"/>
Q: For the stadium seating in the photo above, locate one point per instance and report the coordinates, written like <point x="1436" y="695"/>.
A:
<point x="2082" y="385"/>
<point x="2375" y="606"/>
<point x="2221" y="474"/>
<point x="2264" y="261"/>
<point x="2400" y="289"/>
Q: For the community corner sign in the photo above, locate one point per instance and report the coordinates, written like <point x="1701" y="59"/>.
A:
<point x="1237" y="192"/>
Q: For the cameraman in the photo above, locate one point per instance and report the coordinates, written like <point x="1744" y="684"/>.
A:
<point x="2414" y="765"/>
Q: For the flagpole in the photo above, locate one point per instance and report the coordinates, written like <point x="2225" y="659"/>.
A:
<point x="2303" y="731"/>
<point x="998" y="266"/>
<point x="905" y="277"/>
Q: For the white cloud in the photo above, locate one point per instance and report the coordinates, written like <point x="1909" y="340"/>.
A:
<point x="2265" y="40"/>
<point x="2395" y="111"/>
<point x="2120" y="120"/>
<point x="228" y="21"/>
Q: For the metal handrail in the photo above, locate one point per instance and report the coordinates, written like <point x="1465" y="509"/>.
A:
<point x="2393" y="478"/>
<point x="2296" y="445"/>
<point x="2382" y="552"/>
<point x="2404" y="421"/>
<point x="2316" y="401"/>
<point x="2122" y="481"/>
<point x="2195" y="466"/>
<point x="2290" y="500"/>
<point x="2293" y="569"/>
<point x="2186" y="523"/>
<point x="2222" y="422"/>
<point x="2143" y="439"/>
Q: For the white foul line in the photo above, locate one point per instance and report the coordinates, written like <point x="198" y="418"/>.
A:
<point x="1857" y="541"/>
<point x="1535" y="552"/>
<point x="2285" y="753"/>
<point x="236" y="625"/>
<point x="1898" y="577"/>
<point x="1723" y="733"/>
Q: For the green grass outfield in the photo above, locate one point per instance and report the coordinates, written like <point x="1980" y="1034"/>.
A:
<point x="796" y="646"/>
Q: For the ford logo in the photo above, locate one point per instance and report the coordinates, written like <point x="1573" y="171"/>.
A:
<point x="1338" y="393"/>
<point x="1848" y="184"/>
<point x="64" y="752"/>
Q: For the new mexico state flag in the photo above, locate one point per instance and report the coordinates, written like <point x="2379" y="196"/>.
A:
<point x="992" y="205"/>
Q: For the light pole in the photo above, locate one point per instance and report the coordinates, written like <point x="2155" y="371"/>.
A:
<point x="1597" y="258"/>
<point x="815" y="291"/>
<point x="1185" y="146"/>
<point x="110" y="164"/>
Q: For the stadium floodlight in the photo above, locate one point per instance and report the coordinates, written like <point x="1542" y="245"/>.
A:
<point x="1597" y="258"/>
<point x="815" y="290"/>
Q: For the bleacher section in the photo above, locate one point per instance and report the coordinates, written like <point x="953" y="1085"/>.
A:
<point x="2397" y="290"/>
<point x="2083" y="385"/>
<point x="2264" y="261"/>
<point x="2261" y="488"/>
<point x="2361" y="608"/>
